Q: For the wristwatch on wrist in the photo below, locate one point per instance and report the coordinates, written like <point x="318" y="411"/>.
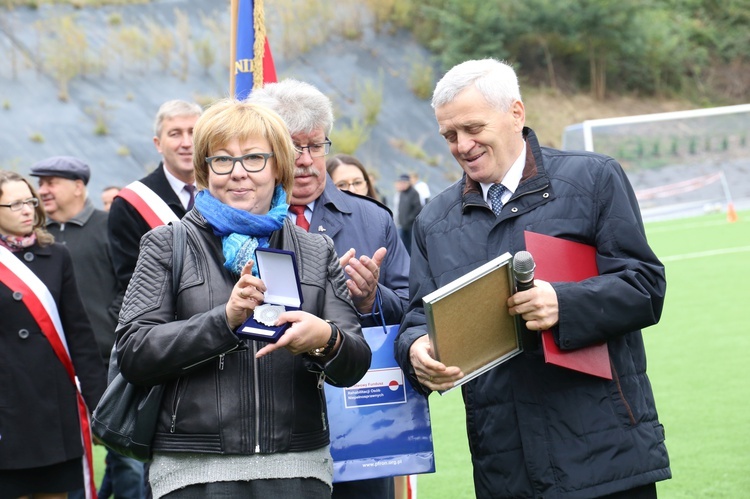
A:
<point x="325" y="350"/>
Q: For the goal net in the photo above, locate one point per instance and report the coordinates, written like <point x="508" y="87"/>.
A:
<point x="695" y="160"/>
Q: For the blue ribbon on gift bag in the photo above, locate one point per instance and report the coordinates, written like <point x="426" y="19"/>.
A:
<point x="381" y="426"/>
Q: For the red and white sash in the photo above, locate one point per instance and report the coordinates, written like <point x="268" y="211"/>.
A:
<point x="148" y="204"/>
<point x="39" y="301"/>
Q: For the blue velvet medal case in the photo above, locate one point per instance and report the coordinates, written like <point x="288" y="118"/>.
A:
<point x="278" y="271"/>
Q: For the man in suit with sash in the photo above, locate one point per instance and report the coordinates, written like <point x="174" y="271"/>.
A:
<point x="164" y="195"/>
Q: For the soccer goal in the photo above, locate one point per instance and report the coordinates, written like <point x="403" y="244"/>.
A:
<point x="685" y="159"/>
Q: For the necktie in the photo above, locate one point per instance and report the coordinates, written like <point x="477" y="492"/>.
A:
<point x="191" y="190"/>
<point x="299" y="210"/>
<point x="494" y="195"/>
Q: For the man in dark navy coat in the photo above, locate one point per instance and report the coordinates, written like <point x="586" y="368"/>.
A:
<point x="536" y="429"/>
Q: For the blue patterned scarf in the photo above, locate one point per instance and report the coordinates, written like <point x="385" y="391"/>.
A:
<point x="241" y="231"/>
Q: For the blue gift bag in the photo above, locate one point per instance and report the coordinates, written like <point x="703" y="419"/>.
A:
<point x="381" y="426"/>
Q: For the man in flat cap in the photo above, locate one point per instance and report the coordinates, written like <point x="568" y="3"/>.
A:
<point x="73" y="220"/>
<point x="67" y="167"/>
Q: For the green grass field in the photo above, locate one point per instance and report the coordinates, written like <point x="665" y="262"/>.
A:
<point x="696" y="363"/>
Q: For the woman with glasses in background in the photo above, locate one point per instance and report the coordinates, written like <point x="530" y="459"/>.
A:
<point x="47" y="348"/>
<point x="239" y="418"/>
<point x="348" y="174"/>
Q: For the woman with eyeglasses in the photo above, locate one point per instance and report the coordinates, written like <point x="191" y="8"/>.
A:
<point x="348" y="174"/>
<point x="240" y="417"/>
<point x="47" y="351"/>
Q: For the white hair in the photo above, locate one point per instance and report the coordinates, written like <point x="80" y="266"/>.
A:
<point x="303" y="107"/>
<point x="495" y="80"/>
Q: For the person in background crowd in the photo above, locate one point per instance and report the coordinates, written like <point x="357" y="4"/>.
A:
<point x="421" y="187"/>
<point x="348" y="174"/>
<point x="362" y="230"/>
<point x="108" y="195"/>
<point x="409" y="207"/>
<point x="169" y="189"/>
<point x="47" y="350"/>
<point x="73" y="221"/>
<point x="538" y="430"/>
<point x="240" y="418"/>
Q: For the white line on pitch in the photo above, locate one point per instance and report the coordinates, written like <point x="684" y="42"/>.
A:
<point x="703" y="254"/>
<point x="674" y="228"/>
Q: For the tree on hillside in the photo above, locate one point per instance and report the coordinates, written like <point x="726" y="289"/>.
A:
<point x="720" y="32"/>
<point x="466" y="29"/>
<point x="596" y="30"/>
<point x="540" y="31"/>
<point x="648" y="46"/>
<point x="603" y="29"/>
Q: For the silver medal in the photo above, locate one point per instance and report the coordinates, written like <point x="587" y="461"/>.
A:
<point x="267" y="314"/>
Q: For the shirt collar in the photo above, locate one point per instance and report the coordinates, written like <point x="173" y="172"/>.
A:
<point x="178" y="186"/>
<point x="511" y="179"/>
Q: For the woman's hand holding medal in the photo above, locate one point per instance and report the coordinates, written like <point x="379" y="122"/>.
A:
<point x="246" y="295"/>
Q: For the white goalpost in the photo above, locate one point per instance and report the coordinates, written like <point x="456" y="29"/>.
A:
<point x="679" y="161"/>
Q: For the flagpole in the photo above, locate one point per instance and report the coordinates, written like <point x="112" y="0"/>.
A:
<point x="259" y="42"/>
<point x="233" y="46"/>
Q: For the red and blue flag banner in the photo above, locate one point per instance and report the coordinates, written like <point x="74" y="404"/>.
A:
<point x="252" y="63"/>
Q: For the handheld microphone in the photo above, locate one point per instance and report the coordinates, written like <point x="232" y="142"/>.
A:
<point x="523" y="274"/>
<point x="523" y="270"/>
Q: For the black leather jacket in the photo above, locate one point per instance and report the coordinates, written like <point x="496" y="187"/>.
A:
<point x="219" y="398"/>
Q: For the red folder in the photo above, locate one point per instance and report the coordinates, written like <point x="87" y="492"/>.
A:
<point x="560" y="260"/>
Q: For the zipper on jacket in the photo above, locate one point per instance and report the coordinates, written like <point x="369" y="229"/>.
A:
<point x="214" y="357"/>
<point x="175" y="405"/>
<point x="321" y="382"/>
<point x="257" y="397"/>
<point x="616" y="379"/>
<point x="176" y="402"/>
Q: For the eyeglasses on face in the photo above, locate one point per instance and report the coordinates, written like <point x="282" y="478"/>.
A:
<point x="252" y="163"/>
<point x="315" y="150"/>
<point x="357" y="184"/>
<point x="18" y="205"/>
